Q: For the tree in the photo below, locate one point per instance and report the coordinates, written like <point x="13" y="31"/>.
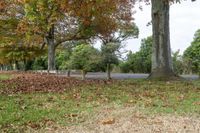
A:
<point x="84" y="58"/>
<point x="109" y="56"/>
<point x="53" y="22"/>
<point x="59" y="21"/>
<point x="42" y="17"/>
<point x="162" y="66"/>
<point x="8" y="36"/>
<point x="14" y="45"/>
<point x="63" y="56"/>
<point x="192" y="53"/>
<point x="112" y="43"/>
<point x="146" y="53"/>
<point x="9" y="55"/>
<point x="161" y="57"/>
<point x="113" y="24"/>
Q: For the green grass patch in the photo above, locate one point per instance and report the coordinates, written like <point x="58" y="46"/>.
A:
<point x="77" y="105"/>
<point x="5" y="76"/>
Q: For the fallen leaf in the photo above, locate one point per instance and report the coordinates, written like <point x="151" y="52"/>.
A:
<point x="108" y="121"/>
<point x="196" y="103"/>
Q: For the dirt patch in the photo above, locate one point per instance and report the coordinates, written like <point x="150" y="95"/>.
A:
<point x="126" y="120"/>
<point x="30" y="82"/>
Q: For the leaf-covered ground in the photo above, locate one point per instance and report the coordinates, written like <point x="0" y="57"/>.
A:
<point x="48" y="103"/>
<point x="29" y="83"/>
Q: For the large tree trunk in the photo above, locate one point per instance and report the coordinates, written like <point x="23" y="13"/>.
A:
<point x="108" y="71"/>
<point x="51" y="50"/>
<point x="84" y="74"/>
<point x="1" y="67"/>
<point x="51" y="55"/>
<point x="162" y="66"/>
<point x="16" y="66"/>
<point x="68" y="73"/>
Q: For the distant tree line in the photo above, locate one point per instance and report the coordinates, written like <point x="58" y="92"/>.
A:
<point x="30" y="28"/>
<point x="82" y="56"/>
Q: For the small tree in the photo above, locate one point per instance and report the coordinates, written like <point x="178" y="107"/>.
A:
<point x="63" y="55"/>
<point x="109" y="56"/>
<point x="84" y="58"/>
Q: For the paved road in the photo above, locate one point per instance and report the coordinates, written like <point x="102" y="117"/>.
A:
<point x="126" y="76"/>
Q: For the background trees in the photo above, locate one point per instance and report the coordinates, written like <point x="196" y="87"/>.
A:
<point x="29" y="28"/>
<point x="14" y="46"/>
<point x="192" y="53"/>
<point x="139" y="62"/>
<point x="84" y="58"/>
<point x="65" y="20"/>
<point x="178" y="62"/>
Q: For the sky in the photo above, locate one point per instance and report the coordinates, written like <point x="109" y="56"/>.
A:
<point x="184" y="21"/>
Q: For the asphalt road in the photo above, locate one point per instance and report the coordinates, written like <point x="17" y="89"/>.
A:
<point x="125" y="76"/>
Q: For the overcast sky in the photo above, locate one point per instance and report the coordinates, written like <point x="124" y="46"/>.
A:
<point x="184" y="21"/>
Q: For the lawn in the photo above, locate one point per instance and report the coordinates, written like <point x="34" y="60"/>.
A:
<point x="22" y="110"/>
<point x="5" y="76"/>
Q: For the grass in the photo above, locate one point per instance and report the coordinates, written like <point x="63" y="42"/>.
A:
<point x="5" y="76"/>
<point x="19" y="111"/>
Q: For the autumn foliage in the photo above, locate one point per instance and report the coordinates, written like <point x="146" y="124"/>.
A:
<point x="48" y="23"/>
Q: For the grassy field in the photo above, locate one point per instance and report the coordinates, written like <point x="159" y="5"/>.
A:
<point x="5" y="76"/>
<point x="21" y="111"/>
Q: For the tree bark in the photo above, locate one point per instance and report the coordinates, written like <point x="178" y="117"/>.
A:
<point x="84" y="74"/>
<point x="68" y="73"/>
<point x="108" y="71"/>
<point x="51" y="55"/>
<point x="25" y="65"/>
<point x="51" y="50"/>
<point x="1" y="67"/>
<point x="16" y="66"/>
<point x="162" y="66"/>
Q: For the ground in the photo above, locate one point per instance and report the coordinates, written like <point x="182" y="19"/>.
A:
<point x="49" y="103"/>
